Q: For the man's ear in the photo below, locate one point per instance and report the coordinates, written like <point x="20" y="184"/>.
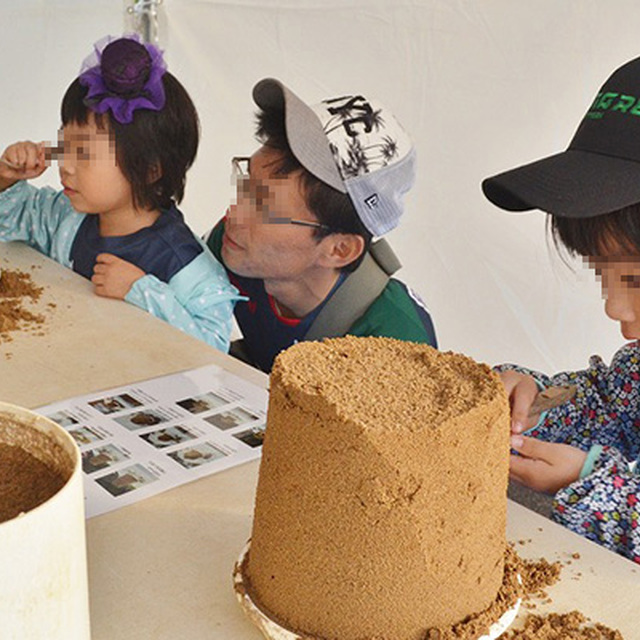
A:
<point x="341" y="249"/>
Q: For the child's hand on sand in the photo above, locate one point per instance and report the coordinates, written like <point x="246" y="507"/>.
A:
<point x="22" y="161"/>
<point x="114" y="277"/>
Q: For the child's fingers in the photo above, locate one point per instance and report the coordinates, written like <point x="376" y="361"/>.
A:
<point x="33" y="157"/>
<point x="25" y="159"/>
<point x="8" y="163"/>
<point x="43" y="160"/>
<point x="99" y="282"/>
<point x="522" y="398"/>
<point x="530" y="447"/>
<point x="106" y="258"/>
<point x="11" y="164"/>
<point x="549" y="467"/>
<point x="521" y="390"/>
<point x="103" y="264"/>
<point x="15" y="155"/>
<point x="22" y="154"/>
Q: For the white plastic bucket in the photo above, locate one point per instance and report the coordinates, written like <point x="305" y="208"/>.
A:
<point x="43" y="566"/>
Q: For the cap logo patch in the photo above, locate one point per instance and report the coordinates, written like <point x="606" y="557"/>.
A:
<point x="372" y="201"/>
<point x="609" y="101"/>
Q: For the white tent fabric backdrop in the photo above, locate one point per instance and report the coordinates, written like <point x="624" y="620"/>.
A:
<point x="480" y="85"/>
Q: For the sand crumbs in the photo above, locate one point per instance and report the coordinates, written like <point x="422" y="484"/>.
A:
<point x="565" y="626"/>
<point x="536" y="576"/>
<point x="16" y="289"/>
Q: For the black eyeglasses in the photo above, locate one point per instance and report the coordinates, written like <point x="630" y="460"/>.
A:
<point x="257" y="193"/>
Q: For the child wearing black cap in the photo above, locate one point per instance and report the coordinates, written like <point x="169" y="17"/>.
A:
<point x="586" y="450"/>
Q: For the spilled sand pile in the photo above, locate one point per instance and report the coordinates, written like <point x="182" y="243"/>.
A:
<point x="17" y="292"/>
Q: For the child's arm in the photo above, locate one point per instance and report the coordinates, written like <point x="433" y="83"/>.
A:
<point x="198" y="300"/>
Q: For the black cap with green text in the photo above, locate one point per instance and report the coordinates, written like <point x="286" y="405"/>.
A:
<point x="600" y="170"/>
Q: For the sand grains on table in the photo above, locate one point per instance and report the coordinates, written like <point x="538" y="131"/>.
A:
<point x="18" y="292"/>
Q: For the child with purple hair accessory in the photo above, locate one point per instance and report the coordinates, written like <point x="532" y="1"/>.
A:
<point x="129" y="134"/>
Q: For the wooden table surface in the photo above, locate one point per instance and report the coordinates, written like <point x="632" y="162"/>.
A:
<point x="161" y="568"/>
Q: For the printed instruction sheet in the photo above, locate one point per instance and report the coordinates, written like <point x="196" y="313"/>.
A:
<point x="142" y="439"/>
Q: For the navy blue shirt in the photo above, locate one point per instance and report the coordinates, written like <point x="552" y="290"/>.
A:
<point x="259" y="317"/>
<point x="160" y="250"/>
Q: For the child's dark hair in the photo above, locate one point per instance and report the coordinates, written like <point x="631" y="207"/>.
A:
<point x="598" y="235"/>
<point x="154" y="151"/>
<point x="332" y="208"/>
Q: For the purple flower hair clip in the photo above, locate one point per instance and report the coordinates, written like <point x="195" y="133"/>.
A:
<point x="122" y="75"/>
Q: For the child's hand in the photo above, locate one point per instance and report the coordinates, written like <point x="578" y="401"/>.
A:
<point x="113" y="277"/>
<point x="521" y="390"/>
<point x="545" y="466"/>
<point x="22" y="161"/>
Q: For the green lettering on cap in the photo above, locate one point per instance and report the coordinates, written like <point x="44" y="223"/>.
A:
<point x="635" y="110"/>
<point x="595" y="102"/>
<point x="624" y="104"/>
<point x="606" y="100"/>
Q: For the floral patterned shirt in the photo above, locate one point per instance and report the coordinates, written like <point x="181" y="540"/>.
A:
<point x="603" y="418"/>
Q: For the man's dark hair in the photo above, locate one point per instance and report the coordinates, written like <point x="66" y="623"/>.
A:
<point x="593" y="236"/>
<point x="154" y="151"/>
<point x="332" y="208"/>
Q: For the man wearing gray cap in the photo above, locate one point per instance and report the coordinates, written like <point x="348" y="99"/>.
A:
<point x="299" y="240"/>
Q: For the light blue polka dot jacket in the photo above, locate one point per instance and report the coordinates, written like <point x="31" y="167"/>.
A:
<point x="198" y="299"/>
